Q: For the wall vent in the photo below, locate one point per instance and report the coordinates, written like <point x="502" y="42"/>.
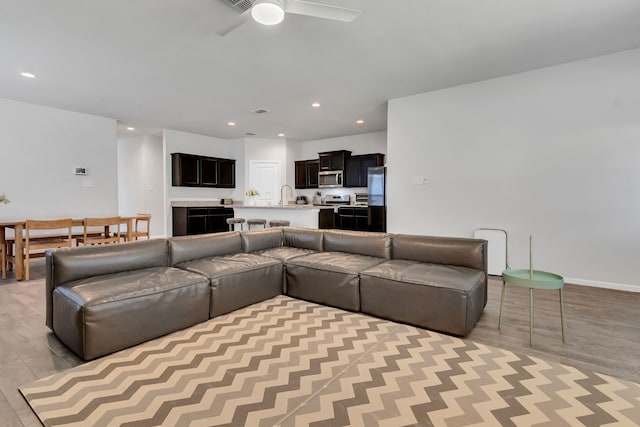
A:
<point x="250" y="133"/>
<point x="241" y="5"/>
<point x="260" y="111"/>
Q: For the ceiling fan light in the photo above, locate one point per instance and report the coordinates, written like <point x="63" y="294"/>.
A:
<point x="267" y="12"/>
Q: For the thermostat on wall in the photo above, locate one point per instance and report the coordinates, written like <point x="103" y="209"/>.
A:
<point x="80" y="171"/>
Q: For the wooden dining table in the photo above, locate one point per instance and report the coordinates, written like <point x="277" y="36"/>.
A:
<point x="19" y="226"/>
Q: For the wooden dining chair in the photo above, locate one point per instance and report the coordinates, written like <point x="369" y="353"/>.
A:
<point x="36" y="240"/>
<point x="141" y="226"/>
<point x="98" y="231"/>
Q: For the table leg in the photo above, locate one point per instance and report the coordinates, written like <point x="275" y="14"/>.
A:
<point x="3" y="244"/>
<point x="562" y="314"/>
<point x="19" y="255"/>
<point x="501" y="302"/>
<point x="530" y="316"/>
<point x="129" y="229"/>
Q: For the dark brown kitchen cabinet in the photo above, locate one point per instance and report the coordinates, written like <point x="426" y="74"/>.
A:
<point x="226" y="173"/>
<point x="354" y="218"/>
<point x="326" y="219"/>
<point x="209" y="172"/>
<point x="186" y="170"/>
<point x="371" y="218"/>
<point x="333" y="160"/>
<point x="191" y="220"/>
<point x="307" y="173"/>
<point x="357" y="168"/>
<point x="190" y="170"/>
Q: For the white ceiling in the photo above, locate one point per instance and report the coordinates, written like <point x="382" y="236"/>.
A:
<point x="159" y="64"/>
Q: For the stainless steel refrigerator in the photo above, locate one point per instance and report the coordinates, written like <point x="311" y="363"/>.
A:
<point x="376" y="183"/>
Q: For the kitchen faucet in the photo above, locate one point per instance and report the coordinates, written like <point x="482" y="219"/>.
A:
<point x="282" y="200"/>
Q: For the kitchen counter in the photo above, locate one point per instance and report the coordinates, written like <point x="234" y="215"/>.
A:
<point x="238" y="205"/>
<point x="299" y="215"/>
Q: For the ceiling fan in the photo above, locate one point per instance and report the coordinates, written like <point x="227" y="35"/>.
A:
<point x="271" y="12"/>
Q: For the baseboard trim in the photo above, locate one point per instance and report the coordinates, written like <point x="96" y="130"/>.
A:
<point x="594" y="284"/>
<point x="606" y="285"/>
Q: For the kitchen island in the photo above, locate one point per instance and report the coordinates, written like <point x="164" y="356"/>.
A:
<point x="299" y="215"/>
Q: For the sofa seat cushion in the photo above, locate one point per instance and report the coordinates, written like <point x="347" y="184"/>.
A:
<point x="445" y="298"/>
<point x="94" y="315"/>
<point x="339" y="262"/>
<point x="330" y="278"/>
<point x="238" y="280"/>
<point x="284" y="253"/>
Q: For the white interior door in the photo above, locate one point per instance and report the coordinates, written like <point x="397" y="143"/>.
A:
<point x="264" y="176"/>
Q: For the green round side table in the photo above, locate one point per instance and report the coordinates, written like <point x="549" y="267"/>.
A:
<point x="532" y="279"/>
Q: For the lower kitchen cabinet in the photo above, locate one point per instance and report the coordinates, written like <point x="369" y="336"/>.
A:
<point x="326" y="219"/>
<point x="361" y="219"/>
<point x="353" y="218"/>
<point x="200" y="220"/>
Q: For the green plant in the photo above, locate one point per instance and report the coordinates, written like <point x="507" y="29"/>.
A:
<point x="3" y="199"/>
<point x="252" y="192"/>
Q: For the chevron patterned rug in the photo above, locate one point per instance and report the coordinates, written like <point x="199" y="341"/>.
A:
<point x="286" y="362"/>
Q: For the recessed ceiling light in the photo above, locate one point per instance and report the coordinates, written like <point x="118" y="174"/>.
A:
<point x="315" y="105"/>
<point x="231" y="123"/>
<point x="131" y="128"/>
<point x="281" y="134"/>
<point x="28" y="75"/>
<point x="360" y="122"/>
<point x="267" y="12"/>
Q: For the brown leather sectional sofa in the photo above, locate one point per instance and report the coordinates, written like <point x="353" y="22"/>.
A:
<point x="102" y="299"/>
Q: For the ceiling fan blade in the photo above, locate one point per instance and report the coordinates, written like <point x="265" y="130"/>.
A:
<point x="234" y="23"/>
<point x="300" y="7"/>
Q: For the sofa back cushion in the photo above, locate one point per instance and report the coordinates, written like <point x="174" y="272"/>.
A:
<point x="187" y="248"/>
<point x="441" y="250"/>
<point x="303" y="238"/>
<point x="358" y="242"/>
<point x="65" y="265"/>
<point x="260" y="240"/>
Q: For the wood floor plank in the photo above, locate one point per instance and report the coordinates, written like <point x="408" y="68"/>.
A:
<point x="8" y="417"/>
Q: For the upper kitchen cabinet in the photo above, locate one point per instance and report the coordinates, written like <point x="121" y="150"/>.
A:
<point x="333" y="160"/>
<point x="226" y="173"/>
<point x="357" y="168"/>
<point x="307" y="173"/>
<point x="186" y="170"/>
<point x="190" y="170"/>
<point x="209" y="172"/>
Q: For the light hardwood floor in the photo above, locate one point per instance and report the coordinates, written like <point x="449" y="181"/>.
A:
<point x="603" y="334"/>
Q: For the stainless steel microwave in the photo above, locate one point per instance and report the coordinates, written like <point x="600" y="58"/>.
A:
<point x="329" y="179"/>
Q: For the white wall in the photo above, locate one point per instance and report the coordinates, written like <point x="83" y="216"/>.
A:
<point x="365" y="143"/>
<point x="41" y="147"/>
<point x="183" y="142"/>
<point x="554" y="153"/>
<point x="141" y="179"/>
